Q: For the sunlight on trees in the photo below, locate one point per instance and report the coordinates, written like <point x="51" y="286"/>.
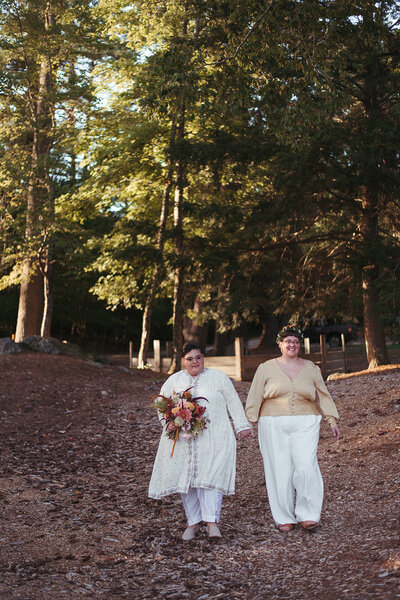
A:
<point x="240" y="160"/>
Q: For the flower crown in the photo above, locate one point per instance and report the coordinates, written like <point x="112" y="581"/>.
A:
<point x="289" y="330"/>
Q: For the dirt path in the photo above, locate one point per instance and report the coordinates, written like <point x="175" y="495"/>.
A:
<point x="77" y="445"/>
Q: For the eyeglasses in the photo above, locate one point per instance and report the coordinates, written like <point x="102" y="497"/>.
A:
<point x="198" y="357"/>
<point x="295" y="343"/>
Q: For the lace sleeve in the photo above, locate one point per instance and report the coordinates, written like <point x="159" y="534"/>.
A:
<point x="234" y="405"/>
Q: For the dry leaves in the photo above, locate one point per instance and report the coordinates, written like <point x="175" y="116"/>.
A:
<point x="78" y="442"/>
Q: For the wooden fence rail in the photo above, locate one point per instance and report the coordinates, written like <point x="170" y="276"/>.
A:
<point x="242" y="366"/>
<point x="246" y="364"/>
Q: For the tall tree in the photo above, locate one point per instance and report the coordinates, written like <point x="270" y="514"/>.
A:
<point x="156" y="276"/>
<point x="337" y="129"/>
<point x="40" y="42"/>
<point x="172" y="81"/>
<point x="271" y="168"/>
<point x="39" y="192"/>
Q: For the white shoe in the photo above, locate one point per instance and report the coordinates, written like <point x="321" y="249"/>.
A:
<point x="213" y="531"/>
<point x="190" y="533"/>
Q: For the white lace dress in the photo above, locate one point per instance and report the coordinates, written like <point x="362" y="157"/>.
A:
<point x="209" y="460"/>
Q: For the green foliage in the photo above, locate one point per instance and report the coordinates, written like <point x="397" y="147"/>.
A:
<point x="289" y="113"/>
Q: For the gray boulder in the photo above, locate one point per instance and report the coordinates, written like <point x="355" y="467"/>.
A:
<point x="48" y="346"/>
<point x="35" y="343"/>
<point x="8" y="346"/>
<point x="31" y="342"/>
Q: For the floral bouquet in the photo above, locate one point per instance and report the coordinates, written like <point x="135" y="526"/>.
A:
<point x="182" y="413"/>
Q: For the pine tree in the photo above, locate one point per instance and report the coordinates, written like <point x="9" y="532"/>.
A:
<point x="337" y="130"/>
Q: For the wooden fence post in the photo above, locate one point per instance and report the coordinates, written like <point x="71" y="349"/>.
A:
<point x="344" y="352"/>
<point x="307" y="347"/>
<point x="131" y="355"/>
<point x="239" y="358"/>
<point x="322" y="342"/>
<point x="157" y="355"/>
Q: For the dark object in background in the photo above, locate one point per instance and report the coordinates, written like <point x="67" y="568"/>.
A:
<point x="333" y="332"/>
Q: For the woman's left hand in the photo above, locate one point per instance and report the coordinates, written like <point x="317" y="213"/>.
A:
<point x="335" y="433"/>
<point x="245" y="433"/>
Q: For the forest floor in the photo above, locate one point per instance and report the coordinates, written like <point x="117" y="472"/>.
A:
<point x="78" y="441"/>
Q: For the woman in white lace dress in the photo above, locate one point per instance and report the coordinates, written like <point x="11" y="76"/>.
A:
<point x="202" y="469"/>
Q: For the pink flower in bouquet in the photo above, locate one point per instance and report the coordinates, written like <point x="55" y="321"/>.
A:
<point x="200" y="410"/>
<point x="185" y="414"/>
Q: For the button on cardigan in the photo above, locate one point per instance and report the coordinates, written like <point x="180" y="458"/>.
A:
<point x="275" y="394"/>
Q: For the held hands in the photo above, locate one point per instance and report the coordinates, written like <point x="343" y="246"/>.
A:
<point x="245" y="433"/>
<point x="335" y="433"/>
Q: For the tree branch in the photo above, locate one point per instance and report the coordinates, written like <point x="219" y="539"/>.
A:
<point x="346" y="236"/>
<point x="244" y="40"/>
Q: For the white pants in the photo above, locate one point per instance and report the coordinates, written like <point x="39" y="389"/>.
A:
<point x="289" y="449"/>
<point x="201" y="504"/>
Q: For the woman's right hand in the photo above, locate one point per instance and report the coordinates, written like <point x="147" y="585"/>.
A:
<point x="335" y="433"/>
<point x="245" y="433"/>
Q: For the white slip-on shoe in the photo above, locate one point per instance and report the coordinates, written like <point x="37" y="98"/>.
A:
<point x="190" y="532"/>
<point x="213" y="531"/>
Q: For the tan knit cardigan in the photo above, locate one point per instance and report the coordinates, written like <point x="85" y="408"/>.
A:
<point x="273" y="393"/>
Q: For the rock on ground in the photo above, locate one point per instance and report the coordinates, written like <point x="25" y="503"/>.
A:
<point x="77" y="446"/>
<point x="8" y="346"/>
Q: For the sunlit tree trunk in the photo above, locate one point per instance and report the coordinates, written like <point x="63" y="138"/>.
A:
<point x="48" y="305"/>
<point x="30" y="307"/>
<point x="39" y="205"/>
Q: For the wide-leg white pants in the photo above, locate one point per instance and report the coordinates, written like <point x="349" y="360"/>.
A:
<point x="289" y="449"/>
<point x="201" y="504"/>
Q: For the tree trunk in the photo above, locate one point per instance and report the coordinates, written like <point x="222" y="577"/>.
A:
<point x="220" y="339"/>
<point x="45" y="328"/>
<point x="194" y="332"/>
<point x="39" y="203"/>
<point x="30" y="307"/>
<point x="178" y="304"/>
<point x="375" y="343"/>
<point x="47" y="267"/>
<point x="270" y="328"/>
<point x="146" y="319"/>
<point x="220" y="342"/>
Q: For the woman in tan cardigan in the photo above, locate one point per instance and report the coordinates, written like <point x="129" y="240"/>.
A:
<point x="288" y="398"/>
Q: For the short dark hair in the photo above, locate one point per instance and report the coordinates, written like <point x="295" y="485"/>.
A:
<point x="189" y="346"/>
